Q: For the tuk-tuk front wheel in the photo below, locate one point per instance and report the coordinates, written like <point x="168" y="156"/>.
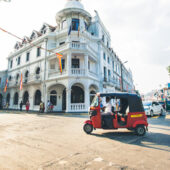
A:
<point x="140" y="130"/>
<point x="88" y="128"/>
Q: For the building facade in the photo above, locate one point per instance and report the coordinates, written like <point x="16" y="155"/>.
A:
<point x="89" y="63"/>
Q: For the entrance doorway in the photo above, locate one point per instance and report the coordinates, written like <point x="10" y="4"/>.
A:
<point x="64" y="100"/>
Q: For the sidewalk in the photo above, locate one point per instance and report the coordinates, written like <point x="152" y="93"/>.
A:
<point x="38" y="113"/>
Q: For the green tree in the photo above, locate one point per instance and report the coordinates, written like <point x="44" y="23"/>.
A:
<point x="168" y="68"/>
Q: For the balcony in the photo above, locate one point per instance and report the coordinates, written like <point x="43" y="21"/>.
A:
<point x="56" y="73"/>
<point x="78" y="72"/>
<point x="35" y="79"/>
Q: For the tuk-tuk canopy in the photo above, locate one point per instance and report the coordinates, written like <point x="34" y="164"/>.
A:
<point x="127" y="99"/>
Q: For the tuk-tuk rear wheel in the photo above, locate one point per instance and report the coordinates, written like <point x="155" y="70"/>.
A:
<point x="88" y="128"/>
<point x="140" y="130"/>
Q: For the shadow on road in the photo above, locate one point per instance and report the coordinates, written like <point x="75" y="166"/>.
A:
<point x="152" y="140"/>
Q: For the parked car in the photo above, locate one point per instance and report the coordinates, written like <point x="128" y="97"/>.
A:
<point x="153" y="108"/>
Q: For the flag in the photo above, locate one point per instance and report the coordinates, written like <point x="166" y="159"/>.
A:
<point x="21" y="83"/>
<point x="60" y="61"/>
<point x="6" y="84"/>
<point x="69" y="31"/>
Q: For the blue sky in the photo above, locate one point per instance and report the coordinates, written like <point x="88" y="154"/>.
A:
<point x="139" y="30"/>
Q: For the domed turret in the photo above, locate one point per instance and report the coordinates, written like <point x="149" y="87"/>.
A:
<point x="72" y="8"/>
<point x="74" y="4"/>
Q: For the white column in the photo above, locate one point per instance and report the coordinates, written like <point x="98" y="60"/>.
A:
<point x="87" y="98"/>
<point x="68" y="100"/>
<point x="69" y="63"/>
<point x="86" y="59"/>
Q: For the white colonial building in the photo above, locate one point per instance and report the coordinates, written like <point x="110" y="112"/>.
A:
<point x="89" y="63"/>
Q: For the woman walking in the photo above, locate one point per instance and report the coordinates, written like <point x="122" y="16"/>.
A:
<point x="27" y="106"/>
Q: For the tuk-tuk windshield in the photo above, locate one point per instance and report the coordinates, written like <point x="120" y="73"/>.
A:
<point x="95" y="102"/>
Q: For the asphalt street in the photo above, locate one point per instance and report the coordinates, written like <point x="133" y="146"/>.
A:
<point x="34" y="141"/>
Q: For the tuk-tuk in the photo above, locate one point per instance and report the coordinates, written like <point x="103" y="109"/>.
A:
<point x="127" y="112"/>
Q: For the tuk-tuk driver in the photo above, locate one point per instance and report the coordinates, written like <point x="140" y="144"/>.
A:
<point x="108" y="107"/>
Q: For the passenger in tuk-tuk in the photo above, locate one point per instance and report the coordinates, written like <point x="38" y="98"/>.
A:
<point x="107" y="115"/>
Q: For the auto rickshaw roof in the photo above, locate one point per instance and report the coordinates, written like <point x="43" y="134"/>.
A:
<point x="119" y="95"/>
<point x="134" y="101"/>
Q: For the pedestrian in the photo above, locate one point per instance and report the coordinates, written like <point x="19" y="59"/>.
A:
<point x="27" y="106"/>
<point x="7" y="105"/>
<point x="49" y="106"/>
<point x="41" y="107"/>
<point x="21" y="104"/>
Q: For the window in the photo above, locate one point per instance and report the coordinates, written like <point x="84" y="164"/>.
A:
<point x="28" y="56"/>
<point x="104" y="56"/>
<point x="8" y="99"/>
<point x="37" y="97"/>
<point x="10" y="78"/>
<point x="19" y="60"/>
<point x="38" y="51"/>
<point x="113" y="65"/>
<point x="63" y="63"/>
<point x="16" y="97"/>
<point x="52" y="66"/>
<point x="25" y="98"/>
<point x="89" y="65"/>
<point x="53" y="97"/>
<point x="86" y="26"/>
<point x="75" y="24"/>
<point x="38" y="70"/>
<point x="108" y="60"/>
<point x="105" y="73"/>
<point x="109" y="74"/>
<point x="11" y="63"/>
<point x="64" y="24"/>
<point x="92" y="95"/>
<point x="61" y="43"/>
<point x="77" y="95"/>
<point x="107" y="44"/>
<point x="26" y="76"/>
<point x="75" y="63"/>
<point x="103" y="38"/>
<point x="17" y="77"/>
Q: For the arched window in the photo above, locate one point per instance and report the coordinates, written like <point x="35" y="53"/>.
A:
<point x="17" y="77"/>
<point x="25" y="97"/>
<point x="26" y="76"/>
<point x="38" y="70"/>
<point x="53" y="97"/>
<point x="37" y="73"/>
<point x="16" y="97"/>
<point x="77" y="94"/>
<point x="8" y="98"/>
<point x="37" y="99"/>
<point x="92" y="95"/>
<point x="10" y="78"/>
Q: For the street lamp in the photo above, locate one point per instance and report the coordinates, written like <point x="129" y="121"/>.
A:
<point x="122" y="74"/>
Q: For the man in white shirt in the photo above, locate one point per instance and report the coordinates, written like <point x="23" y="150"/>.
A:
<point x="108" y="106"/>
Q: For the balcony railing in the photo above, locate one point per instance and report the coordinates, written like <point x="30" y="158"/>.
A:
<point x="78" y="107"/>
<point x="55" y="73"/>
<point x="78" y="72"/>
<point x="34" y="78"/>
<point x="79" y="46"/>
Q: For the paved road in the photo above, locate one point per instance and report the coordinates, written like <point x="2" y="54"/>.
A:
<point x="29" y="141"/>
